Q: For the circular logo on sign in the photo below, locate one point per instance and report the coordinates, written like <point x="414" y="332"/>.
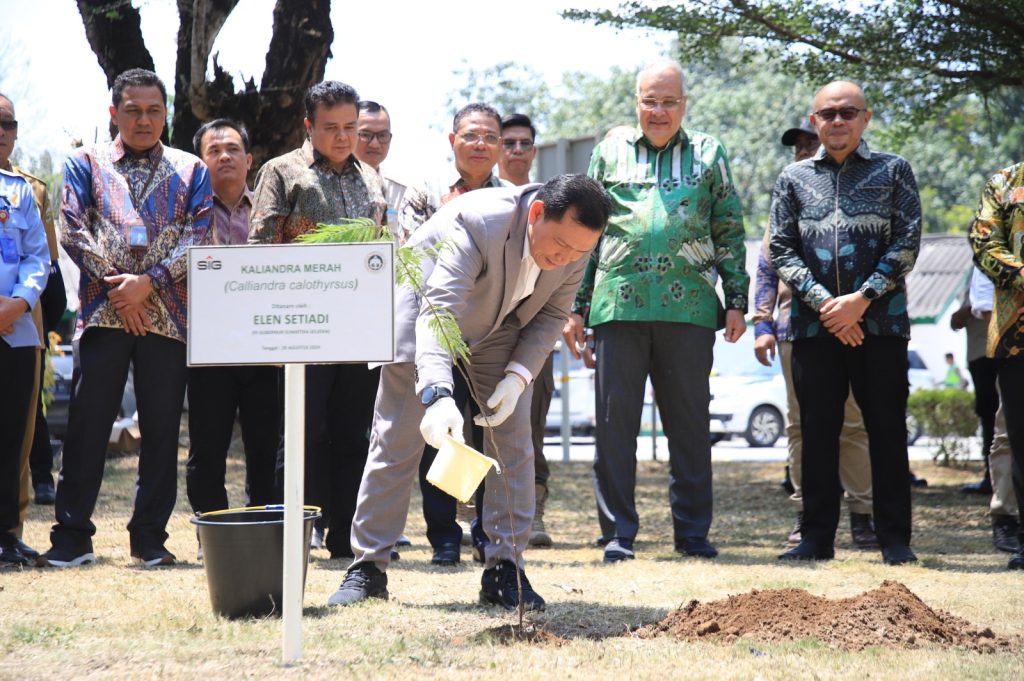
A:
<point x="375" y="262"/>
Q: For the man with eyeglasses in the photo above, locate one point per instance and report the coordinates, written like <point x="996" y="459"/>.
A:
<point x="323" y="182"/>
<point x="517" y="149"/>
<point x="475" y="140"/>
<point x="372" y="147"/>
<point x="518" y="136"/>
<point x="649" y="294"/>
<point x="845" y="231"/>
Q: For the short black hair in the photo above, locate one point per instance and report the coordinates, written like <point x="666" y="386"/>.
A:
<point x="329" y="93"/>
<point x="586" y="194"/>
<point x="518" y="120"/>
<point x="216" y="124"/>
<point x="475" y="107"/>
<point x="370" y="106"/>
<point x="136" y="78"/>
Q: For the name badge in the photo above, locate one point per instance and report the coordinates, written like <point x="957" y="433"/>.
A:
<point x="138" y="237"/>
<point x="9" y="248"/>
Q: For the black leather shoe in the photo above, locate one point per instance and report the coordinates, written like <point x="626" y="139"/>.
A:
<point x="862" y="531"/>
<point x="1017" y="561"/>
<point x="983" y="486"/>
<point x="898" y="554"/>
<point x="807" y="550"/>
<point x="10" y="554"/>
<point x="1004" y="533"/>
<point x="26" y="550"/>
<point x="698" y="547"/>
<point x="45" y="494"/>
<point x="362" y="581"/>
<point x="498" y="587"/>
<point x="446" y="554"/>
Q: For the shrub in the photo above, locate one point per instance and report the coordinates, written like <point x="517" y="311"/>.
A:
<point x="946" y="414"/>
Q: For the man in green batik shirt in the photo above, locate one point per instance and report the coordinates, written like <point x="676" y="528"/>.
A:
<point x="649" y="295"/>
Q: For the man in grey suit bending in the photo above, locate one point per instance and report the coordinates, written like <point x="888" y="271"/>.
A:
<point x="512" y="261"/>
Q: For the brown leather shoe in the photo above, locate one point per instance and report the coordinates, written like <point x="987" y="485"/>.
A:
<point x="862" y="530"/>
<point x="797" y="534"/>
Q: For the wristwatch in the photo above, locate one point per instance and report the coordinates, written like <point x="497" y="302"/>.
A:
<point x="868" y="292"/>
<point x="432" y="393"/>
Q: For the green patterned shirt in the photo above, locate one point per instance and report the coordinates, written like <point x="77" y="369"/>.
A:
<point x="676" y="226"/>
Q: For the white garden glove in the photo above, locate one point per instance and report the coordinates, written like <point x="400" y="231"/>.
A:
<point x="502" y="401"/>
<point x="441" y="418"/>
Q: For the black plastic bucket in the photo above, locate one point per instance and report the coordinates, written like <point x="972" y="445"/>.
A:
<point x="242" y="553"/>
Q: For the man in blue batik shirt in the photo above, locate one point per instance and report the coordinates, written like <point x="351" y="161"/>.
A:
<point x="845" y="231"/>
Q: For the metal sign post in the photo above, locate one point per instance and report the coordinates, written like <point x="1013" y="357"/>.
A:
<point x="294" y="560"/>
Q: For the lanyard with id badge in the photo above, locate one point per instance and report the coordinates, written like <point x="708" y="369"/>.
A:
<point x="8" y="244"/>
<point x="138" y="233"/>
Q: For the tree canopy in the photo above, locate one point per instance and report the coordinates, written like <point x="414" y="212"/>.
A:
<point x="921" y="53"/>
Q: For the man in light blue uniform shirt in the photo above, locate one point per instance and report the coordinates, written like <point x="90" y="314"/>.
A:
<point x="24" y="268"/>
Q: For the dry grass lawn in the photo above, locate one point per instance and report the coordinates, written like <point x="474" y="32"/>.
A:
<point x="112" y="620"/>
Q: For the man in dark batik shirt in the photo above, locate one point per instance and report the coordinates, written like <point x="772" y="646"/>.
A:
<point x="845" y="231"/>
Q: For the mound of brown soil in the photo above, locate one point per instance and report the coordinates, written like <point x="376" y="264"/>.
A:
<point x="890" y="616"/>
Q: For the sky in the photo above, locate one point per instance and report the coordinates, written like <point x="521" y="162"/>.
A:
<point x="400" y="53"/>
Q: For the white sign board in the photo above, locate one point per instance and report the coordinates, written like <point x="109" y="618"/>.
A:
<point x="296" y="303"/>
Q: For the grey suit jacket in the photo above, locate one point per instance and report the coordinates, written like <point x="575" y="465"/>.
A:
<point x="474" y="277"/>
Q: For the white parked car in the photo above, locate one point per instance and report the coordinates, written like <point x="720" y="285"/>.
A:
<point x="747" y="398"/>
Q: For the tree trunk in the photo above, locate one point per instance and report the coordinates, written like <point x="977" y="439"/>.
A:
<point x="115" y="35"/>
<point x="296" y="59"/>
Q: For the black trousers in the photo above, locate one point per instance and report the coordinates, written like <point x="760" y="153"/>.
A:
<point x="824" y="371"/>
<point x="339" y="411"/>
<point x="986" y="398"/>
<point x="215" y="395"/>
<point x="1011" y="389"/>
<point x="17" y="366"/>
<point x="40" y="458"/>
<point x="102" y="357"/>
<point x="440" y="508"/>
<point x="678" y="358"/>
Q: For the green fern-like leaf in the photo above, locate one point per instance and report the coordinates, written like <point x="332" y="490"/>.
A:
<point x="446" y="329"/>
<point x="349" y="230"/>
<point x="408" y="270"/>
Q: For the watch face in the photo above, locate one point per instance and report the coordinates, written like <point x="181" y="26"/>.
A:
<point x="428" y="395"/>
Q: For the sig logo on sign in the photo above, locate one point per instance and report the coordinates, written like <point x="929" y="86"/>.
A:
<point x="208" y="263"/>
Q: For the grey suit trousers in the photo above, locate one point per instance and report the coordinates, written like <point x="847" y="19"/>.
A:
<point x="396" y="447"/>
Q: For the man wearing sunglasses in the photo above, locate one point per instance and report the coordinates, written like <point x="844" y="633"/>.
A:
<point x="845" y="231"/>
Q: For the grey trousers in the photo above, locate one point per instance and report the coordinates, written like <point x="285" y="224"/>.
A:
<point x="396" y="447"/>
<point x="854" y="461"/>
<point x="678" y="358"/>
